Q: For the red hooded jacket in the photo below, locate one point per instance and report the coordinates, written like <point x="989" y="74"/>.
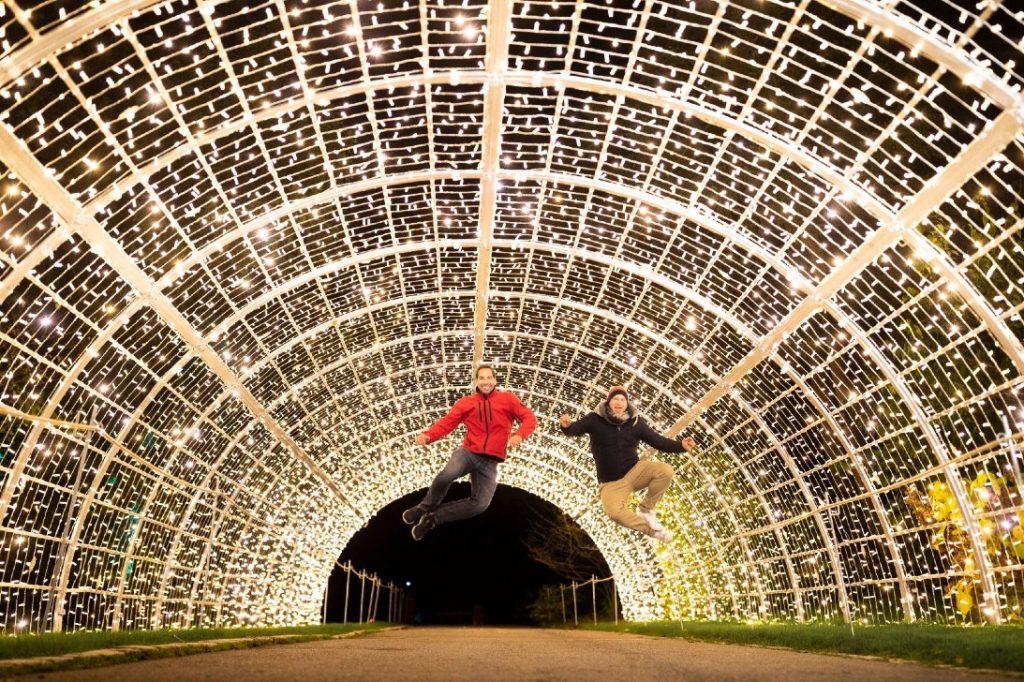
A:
<point x="488" y="419"/>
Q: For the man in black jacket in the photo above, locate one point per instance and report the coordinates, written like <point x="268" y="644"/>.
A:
<point x="616" y="428"/>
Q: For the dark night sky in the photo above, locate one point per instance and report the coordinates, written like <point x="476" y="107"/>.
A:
<point x="476" y="569"/>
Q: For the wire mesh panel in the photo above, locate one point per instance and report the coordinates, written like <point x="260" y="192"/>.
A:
<point x="249" y="250"/>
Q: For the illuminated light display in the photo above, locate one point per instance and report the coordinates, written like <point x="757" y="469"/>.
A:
<point x="249" y="249"/>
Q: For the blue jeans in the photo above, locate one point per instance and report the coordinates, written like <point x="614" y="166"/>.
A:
<point x="483" y="479"/>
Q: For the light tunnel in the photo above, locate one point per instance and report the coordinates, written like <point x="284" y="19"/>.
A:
<point x="248" y="250"/>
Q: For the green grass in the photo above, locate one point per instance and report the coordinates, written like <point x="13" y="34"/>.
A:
<point x="190" y="641"/>
<point x="995" y="648"/>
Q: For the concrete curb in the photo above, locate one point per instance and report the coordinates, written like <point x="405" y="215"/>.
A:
<point x="839" y="654"/>
<point x="133" y="652"/>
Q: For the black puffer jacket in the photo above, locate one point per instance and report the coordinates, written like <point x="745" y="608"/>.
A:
<point x="614" y="443"/>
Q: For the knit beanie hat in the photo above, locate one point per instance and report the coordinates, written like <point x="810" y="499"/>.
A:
<point x="617" y="390"/>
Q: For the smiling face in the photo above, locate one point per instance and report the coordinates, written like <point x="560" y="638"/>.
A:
<point x="618" y="403"/>
<point x="485" y="380"/>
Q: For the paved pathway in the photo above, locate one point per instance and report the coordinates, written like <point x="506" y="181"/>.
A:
<point x="514" y="654"/>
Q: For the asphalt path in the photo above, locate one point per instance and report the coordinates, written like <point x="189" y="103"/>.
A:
<point x="514" y="654"/>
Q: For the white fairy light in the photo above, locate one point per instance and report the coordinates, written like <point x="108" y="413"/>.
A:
<point x="308" y="202"/>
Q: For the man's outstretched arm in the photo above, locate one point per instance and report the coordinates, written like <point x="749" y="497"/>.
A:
<point x="443" y="426"/>
<point x="574" y="428"/>
<point x="664" y="443"/>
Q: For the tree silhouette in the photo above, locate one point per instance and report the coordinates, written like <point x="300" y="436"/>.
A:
<point x="557" y="541"/>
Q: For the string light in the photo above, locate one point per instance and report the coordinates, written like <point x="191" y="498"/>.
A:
<point x="304" y="205"/>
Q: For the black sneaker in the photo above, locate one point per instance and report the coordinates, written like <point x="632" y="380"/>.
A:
<point x="426" y="524"/>
<point x="412" y="515"/>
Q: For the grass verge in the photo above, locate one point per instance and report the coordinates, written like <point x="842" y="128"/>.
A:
<point x="64" y="651"/>
<point x="991" y="648"/>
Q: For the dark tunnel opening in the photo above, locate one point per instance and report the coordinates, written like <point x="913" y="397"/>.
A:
<point x="477" y="571"/>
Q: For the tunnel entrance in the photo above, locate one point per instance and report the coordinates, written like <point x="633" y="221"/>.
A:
<point x="477" y="571"/>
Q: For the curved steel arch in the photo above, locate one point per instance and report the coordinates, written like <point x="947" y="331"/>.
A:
<point x="974" y="73"/>
<point x="782" y="545"/>
<point x="66" y="209"/>
<point x="999" y="329"/>
<point x="937" y="50"/>
<point x="785" y="553"/>
<point x="849" y="3"/>
<point x="63" y="573"/>
<point x="372" y="255"/>
<point x="1009" y="124"/>
<point x="427" y="244"/>
<point x="627" y="266"/>
<point x="628" y="323"/>
<point x="1008" y="127"/>
<point x="639" y="271"/>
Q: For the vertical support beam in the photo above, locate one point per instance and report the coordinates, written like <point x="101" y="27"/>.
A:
<point x="348" y="580"/>
<point x="499" y="31"/>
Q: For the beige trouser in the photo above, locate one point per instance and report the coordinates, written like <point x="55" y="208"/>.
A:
<point x="655" y="476"/>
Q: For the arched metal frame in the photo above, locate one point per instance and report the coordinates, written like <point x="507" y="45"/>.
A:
<point x="496" y="77"/>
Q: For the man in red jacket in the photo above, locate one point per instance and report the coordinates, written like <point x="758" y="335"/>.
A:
<point x="488" y="415"/>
